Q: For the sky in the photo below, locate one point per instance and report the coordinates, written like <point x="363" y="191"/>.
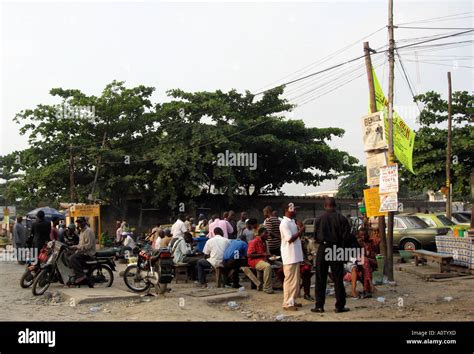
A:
<point x="205" y="46"/>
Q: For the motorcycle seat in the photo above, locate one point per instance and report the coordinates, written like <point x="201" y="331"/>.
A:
<point x="107" y="252"/>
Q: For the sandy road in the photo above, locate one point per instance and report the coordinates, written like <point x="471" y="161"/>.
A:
<point x="411" y="300"/>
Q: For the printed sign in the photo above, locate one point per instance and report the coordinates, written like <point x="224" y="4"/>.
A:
<point x="388" y="179"/>
<point x="85" y="210"/>
<point x="373" y="132"/>
<point x="375" y="160"/>
<point x="388" y="202"/>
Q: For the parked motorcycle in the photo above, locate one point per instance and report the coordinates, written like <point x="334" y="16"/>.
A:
<point x="99" y="269"/>
<point x="152" y="268"/>
<point x="33" y="267"/>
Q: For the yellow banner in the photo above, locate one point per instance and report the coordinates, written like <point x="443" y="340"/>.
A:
<point x="403" y="136"/>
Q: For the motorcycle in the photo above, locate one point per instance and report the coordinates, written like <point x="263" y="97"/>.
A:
<point x="99" y="270"/>
<point x="33" y="267"/>
<point x="152" y="268"/>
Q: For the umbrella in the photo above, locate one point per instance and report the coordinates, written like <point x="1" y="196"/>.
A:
<point x="49" y="213"/>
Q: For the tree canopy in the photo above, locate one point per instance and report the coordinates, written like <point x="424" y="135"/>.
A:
<point x="165" y="152"/>
<point x="429" y="153"/>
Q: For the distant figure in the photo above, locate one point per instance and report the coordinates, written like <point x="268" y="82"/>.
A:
<point x="41" y="231"/>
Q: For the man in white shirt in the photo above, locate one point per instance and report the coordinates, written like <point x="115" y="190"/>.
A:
<point x="178" y="229"/>
<point x="214" y="249"/>
<point x="291" y="255"/>
<point x="224" y="225"/>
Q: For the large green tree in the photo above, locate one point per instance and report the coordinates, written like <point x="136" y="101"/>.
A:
<point x="167" y="153"/>
<point x="429" y="154"/>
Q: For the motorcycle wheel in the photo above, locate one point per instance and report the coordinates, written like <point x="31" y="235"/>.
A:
<point x="27" y="279"/>
<point x="163" y="288"/>
<point x="101" y="276"/>
<point x="41" y="283"/>
<point x="133" y="279"/>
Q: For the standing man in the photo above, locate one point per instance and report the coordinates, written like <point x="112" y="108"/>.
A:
<point x="292" y="256"/>
<point x="84" y="250"/>
<point x="224" y="225"/>
<point x="241" y="223"/>
<point x="232" y="222"/>
<point x="272" y="223"/>
<point x="178" y="229"/>
<point x="41" y="231"/>
<point x="19" y="238"/>
<point x="332" y="229"/>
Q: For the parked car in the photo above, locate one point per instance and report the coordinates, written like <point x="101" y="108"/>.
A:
<point x="462" y="218"/>
<point x="412" y="233"/>
<point x="309" y="227"/>
<point x="439" y="220"/>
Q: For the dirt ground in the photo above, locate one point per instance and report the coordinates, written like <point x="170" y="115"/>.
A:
<point x="411" y="299"/>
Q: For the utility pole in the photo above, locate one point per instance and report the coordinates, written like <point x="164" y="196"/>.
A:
<point x="72" y="192"/>
<point x="373" y="109"/>
<point x="391" y="60"/>
<point x="448" y="152"/>
<point x="99" y="159"/>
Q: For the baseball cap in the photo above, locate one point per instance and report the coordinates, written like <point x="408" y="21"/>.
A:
<point x="81" y="219"/>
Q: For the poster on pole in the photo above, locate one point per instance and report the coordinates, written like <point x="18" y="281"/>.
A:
<point x="8" y="211"/>
<point x="375" y="160"/>
<point x="388" y="179"/>
<point x="372" y="202"/>
<point x="388" y="202"/>
<point x="373" y="132"/>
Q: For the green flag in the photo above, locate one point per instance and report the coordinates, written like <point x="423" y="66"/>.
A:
<point x="403" y="136"/>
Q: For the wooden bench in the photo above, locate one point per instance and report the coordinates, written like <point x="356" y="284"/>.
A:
<point x="248" y="272"/>
<point x="181" y="272"/>
<point x="444" y="260"/>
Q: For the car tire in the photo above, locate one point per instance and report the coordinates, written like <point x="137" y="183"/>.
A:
<point x="410" y="245"/>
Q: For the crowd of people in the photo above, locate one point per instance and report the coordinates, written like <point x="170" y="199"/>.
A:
<point x="276" y="250"/>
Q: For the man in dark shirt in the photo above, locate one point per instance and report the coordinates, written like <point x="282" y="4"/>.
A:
<point x="41" y="231"/>
<point x="332" y="230"/>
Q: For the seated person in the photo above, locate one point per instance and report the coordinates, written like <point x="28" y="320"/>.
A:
<point x="361" y="269"/>
<point x="165" y="242"/>
<point x="250" y="230"/>
<point x="182" y="253"/>
<point x="214" y="253"/>
<point x="235" y="256"/>
<point x="257" y="258"/>
<point x="158" y="239"/>
<point x="128" y="244"/>
<point x="69" y="236"/>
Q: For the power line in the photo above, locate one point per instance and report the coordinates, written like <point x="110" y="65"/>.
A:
<point x="362" y="56"/>
<point x="428" y="62"/>
<point x="434" y="28"/>
<point x="408" y="80"/>
<point x="441" y="18"/>
<point x="324" y="59"/>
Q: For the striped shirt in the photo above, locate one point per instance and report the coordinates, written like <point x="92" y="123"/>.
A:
<point x="273" y="226"/>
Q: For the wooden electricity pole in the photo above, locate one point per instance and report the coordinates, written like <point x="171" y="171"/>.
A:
<point x="448" y="152"/>
<point x="391" y="60"/>
<point x="373" y="109"/>
<point x="72" y="192"/>
<point x="99" y="159"/>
